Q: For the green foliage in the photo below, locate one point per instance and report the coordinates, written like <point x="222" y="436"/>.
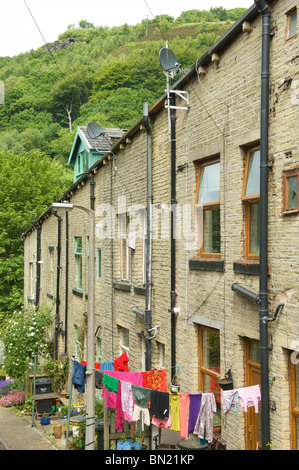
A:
<point x="25" y="334"/>
<point x="57" y="371"/>
<point x="47" y="90"/>
<point x="29" y="182"/>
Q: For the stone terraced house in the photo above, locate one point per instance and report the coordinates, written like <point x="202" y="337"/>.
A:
<point x="211" y="288"/>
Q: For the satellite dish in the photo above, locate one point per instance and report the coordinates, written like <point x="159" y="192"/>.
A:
<point x="94" y="130"/>
<point x="168" y="60"/>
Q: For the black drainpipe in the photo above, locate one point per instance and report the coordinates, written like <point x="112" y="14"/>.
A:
<point x="263" y="294"/>
<point x="38" y="256"/>
<point x="57" y="319"/>
<point x="173" y="215"/>
<point x="66" y="279"/>
<point x="148" y="280"/>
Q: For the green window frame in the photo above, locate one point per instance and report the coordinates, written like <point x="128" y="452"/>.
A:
<point x="99" y="264"/>
<point x="78" y="255"/>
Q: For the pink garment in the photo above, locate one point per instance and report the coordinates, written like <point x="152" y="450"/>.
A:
<point x="127" y="400"/>
<point x="250" y="396"/>
<point x="119" y="425"/>
<point x="135" y="378"/>
<point x="184" y="414"/>
<point x="161" y="423"/>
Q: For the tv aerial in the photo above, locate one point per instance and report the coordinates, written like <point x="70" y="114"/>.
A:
<point x="171" y="67"/>
<point x="95" y="131"/>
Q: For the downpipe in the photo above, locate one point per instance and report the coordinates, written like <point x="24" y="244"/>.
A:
<point x="263" y="288"/>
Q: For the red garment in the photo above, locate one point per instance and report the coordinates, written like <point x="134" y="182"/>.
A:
<point x="155" y="379"/>
<point x="97" y="365"/>
<point x="121" y="363"/>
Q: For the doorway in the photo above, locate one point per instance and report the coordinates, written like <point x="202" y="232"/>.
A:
<point x="253" y="377"/>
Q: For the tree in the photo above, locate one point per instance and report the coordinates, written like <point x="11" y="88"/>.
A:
<point x="29" y="182"/>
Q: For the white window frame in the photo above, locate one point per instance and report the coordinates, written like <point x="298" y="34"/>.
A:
<point x="124" y="247"/>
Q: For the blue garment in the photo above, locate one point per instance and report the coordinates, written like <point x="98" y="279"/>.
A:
<point x="107" y="366"/>
<point x="78" y="376"/>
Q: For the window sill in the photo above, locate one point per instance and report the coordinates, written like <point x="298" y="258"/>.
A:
<point x="292" y="212"/>
<point x="121" y="286"/>
<point x="139" y="290"/>
<point x="206" y="265"/>
<point x="246" y="267"/>
<point x="78" y="292"/>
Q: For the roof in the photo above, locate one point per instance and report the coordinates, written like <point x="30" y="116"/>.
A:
<point x="102" y="143"/>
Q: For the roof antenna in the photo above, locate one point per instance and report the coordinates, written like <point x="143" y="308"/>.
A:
<point x="171" y="67"/>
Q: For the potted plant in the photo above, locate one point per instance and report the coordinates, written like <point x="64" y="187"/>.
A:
<point x="45" y="419"/>
<point x="226" y="383"/>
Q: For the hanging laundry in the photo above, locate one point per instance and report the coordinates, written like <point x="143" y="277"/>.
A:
<point x="107" y="366"/>
<point x="159" y="405"/>
<point x="229" y="400"/>
<point x="204" y="424"/>
<point x="175" y="412"/>
<point x="142" y="397"/>
<point x="127" y="400"/>
<point x="78" y="376"/>
<point x="118" y="407"/>
<point x="194" y="407"/>
<point x="134" y="377"/>
<point x="184" y="414"/>
<point x="155" y="379"/>
<point x="162" y="423"/>
<point x="250" y="396"/>
<point x="121" y="363"/>
<point x="97" y="365"/>
<point x="111" y="383"/>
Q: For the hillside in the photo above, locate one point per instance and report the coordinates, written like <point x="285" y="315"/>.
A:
<point x="96" y="73"/>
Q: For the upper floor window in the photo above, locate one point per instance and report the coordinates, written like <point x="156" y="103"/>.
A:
<point x="99" y="264"/>
<point x="290" y="186"/>
<point x="251" y="200"/>
<point x="78" y="254"/>
<point x="291" y="23"/>
<point x="208" y="199"/>
<point x="124" y="247"/>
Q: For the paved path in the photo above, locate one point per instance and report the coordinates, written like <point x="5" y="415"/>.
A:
<point x="16" y="433"/>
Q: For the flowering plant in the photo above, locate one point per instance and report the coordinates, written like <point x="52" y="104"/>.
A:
<point x="23" y="335"/>
<point x="13" y="398"/>
<point x="5" y="386"/>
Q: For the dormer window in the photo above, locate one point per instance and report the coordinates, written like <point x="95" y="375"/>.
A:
<point x="291" y="23"/>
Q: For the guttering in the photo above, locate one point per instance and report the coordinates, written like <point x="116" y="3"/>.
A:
<point x="263" y="281"/>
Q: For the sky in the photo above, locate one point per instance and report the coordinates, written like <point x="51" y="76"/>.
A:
<point x="28" y="24"/>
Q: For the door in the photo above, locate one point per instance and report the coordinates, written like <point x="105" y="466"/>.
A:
<point x="253" y="377"/>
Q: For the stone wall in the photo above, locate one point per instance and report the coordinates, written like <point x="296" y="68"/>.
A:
<point x="223" y="120"/>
